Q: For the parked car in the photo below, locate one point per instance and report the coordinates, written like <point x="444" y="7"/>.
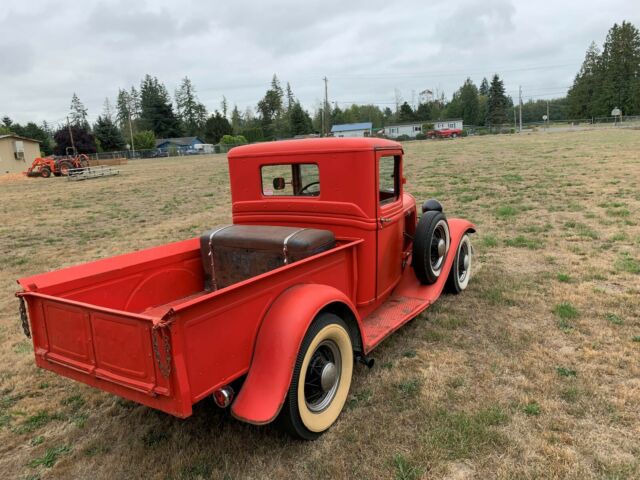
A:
<point x="269" y="314"/>
<point x="445" y="133"/>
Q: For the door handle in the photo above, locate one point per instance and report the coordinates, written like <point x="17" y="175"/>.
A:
<point x="384" y="220"/>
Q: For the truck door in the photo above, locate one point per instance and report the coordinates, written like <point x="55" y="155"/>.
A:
<point x="390" y="216"/>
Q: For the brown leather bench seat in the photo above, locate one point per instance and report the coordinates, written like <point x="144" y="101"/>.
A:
<point x="232" y="253"/>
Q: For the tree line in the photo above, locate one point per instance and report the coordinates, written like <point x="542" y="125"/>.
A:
<point x="608" y="78"/>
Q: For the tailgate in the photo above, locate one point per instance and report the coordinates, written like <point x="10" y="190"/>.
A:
<point x="113" y="346"/>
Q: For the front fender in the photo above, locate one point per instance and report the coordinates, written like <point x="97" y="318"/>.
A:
<point x="276" y="349"/>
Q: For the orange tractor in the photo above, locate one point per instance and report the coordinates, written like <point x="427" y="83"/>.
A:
<point x="58" y="166"/>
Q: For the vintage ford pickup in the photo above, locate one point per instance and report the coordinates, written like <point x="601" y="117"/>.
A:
<point x="327" y="255"/>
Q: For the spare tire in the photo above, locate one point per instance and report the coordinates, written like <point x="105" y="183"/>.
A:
<point x="430" y="246"/>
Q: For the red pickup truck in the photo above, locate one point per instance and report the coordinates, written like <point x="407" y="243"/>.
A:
<point x="445" y="133"/>
<point x="327" y="255"/>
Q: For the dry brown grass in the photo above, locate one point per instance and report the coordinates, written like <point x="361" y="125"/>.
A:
<point x="531" y="373"/>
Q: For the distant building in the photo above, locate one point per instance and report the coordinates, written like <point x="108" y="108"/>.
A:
<point x="445" y="124"/>
<point x="398" y="129"/>
<point x="352" y="130"/>
<point x="179" y="143"/>
<point x="17" y="153"/>
<point x="411" y="129"/>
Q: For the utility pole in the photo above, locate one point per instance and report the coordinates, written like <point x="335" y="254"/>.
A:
<point x="73" y="145"/>
<point x="325" y="110"/>
<point x="133" y="147"/>
<point x="520" y="105"/>
<point x="548" y="118"/>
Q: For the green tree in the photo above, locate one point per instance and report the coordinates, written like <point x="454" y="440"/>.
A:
<point x="406" y="114"/>
<point x="216" y="127"/>
<point x="484" y="87"/>
<point x="620" y="71"/>
<point x="191" y="111"/>
<point x="469" y="103"/>
<point x="144" y="140"/>
<point x="300" y="121"/>
<point x="156" y="110"/>
<point x="78" y="112"/>
<point x="237" y="122"/>
<point x="497" y="103"/>
<point x="580" y="96"/>
<point x="108" y="135"/>
<point x="270" y="109"/>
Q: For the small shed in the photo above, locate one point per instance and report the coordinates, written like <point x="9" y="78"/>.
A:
<point x="17" y="153"/>
<point x="179" y="143"/>
<point x="352" y="130"/>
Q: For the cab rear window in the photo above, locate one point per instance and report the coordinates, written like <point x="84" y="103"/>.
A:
<point x="296" y="179"/>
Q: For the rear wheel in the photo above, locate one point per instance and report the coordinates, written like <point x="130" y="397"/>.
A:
<point x="64" y="168"/>
<point x="45" y="172"/>
<point x="321" y="379"/>
<point x="460" y="273"/>
<point x="430" y="246"/>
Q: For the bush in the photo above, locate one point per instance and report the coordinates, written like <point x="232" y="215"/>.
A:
<point x="421" y="136"/>
<point x="402" y="138"/>
<point x="144" y="140"/>
<point x="233" y="140"/>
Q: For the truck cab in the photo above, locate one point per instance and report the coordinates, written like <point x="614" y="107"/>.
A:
<point x="353" y="187"/>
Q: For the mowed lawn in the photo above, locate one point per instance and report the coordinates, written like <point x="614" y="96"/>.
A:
<point x="533" y="372"/>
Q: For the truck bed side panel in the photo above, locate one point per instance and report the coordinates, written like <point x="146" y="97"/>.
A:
<point x="220" y="332"/>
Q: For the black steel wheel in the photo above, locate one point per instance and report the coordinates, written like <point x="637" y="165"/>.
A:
<point x="430" y="246"/>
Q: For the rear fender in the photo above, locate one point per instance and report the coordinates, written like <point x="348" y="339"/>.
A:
<point x="276" y="349"/>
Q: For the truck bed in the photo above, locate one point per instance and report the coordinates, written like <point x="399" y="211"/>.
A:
<point x="118" y="324"/>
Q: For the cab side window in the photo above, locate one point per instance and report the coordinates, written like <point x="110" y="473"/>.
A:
<point x="389" y="179"/>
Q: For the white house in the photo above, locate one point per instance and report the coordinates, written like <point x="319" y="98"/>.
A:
<point x="444" y="124"/>
<point x="413" y="128"/>
<point x="408" y="129"/>
<point x="352" y="130"/>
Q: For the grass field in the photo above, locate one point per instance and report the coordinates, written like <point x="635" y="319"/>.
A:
<point x="534" y="372"/>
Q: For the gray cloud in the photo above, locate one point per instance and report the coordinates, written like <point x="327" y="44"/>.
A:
<point x="368" y="49"/>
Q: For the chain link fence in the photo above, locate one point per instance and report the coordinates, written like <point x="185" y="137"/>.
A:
<point x="173" y="151"/>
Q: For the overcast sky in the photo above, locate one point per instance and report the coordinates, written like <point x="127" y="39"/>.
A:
<point x="367" y="49"/>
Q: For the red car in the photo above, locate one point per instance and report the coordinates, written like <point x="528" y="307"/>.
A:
<point x="445" y="133"/>
<point x="268" y="314"/>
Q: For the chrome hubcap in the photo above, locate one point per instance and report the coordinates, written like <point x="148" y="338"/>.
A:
<point x="438" y="247"/>
<point x="329" y="376"/>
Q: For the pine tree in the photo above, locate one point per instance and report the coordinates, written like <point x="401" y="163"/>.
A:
<point x="300" y="121"/>
<point x="224" y="106"/>
<point x="107" y="135"/>
<point x="216" y="127"/>
<point x="620" y="67"/>
<point x="497" y="103"/>
<point x="78" y="112"/>
<point x="156" y="110"/>
<point x="469" y="104"/>
<point x="236" y="120"/>
<point x="107" y="111"/>
<point x="192" y="113"/>
<point x="123" y="109"/>
<point x="484" y="87"/>
<point x="580" y="96"/>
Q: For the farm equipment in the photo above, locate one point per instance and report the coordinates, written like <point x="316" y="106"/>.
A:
<point x="445" y="133"/>
<point x="268" y="315"/>
<point x="57" y="166"/>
